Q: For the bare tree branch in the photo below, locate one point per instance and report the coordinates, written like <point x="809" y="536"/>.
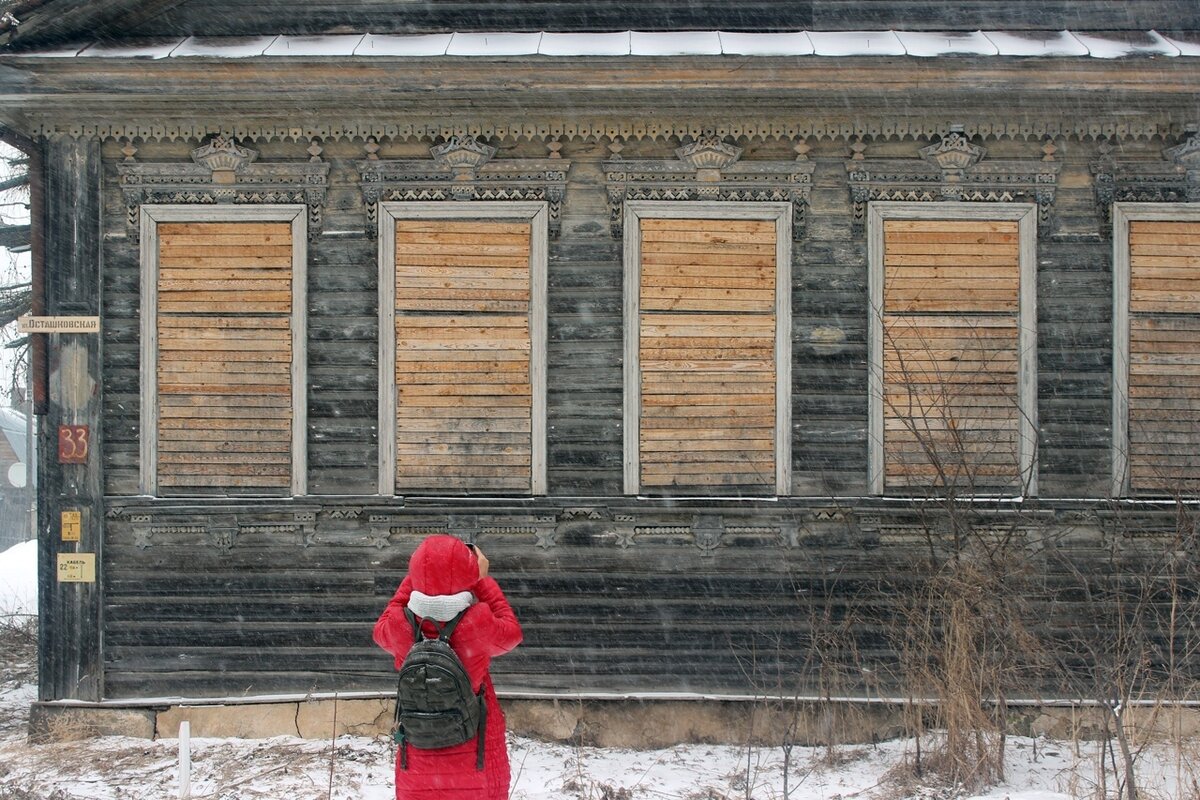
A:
<point x="14" y="301"/>
<point x="14" y="236"/>
<point x="14" y="182"/>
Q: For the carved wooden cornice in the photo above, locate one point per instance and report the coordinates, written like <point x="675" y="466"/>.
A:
<point x="953" y="169"/>
<point x="462" y="169"/>
<point x="1174" y="179"/>
<point x="708" y="169"/>
<point x="222" y="172"/>
<point x="583" y="127"/>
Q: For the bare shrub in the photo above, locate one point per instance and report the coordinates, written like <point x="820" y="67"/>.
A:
<point x="960" y="629"/>
<point x="18" y="648"/>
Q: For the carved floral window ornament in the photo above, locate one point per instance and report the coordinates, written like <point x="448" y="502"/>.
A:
<point x="1174" y="179"/>
<point x="463" y="169"/>
<point x="708" y="168"/>
<point x="953" y="169"/>
<point x="223" y="172"/>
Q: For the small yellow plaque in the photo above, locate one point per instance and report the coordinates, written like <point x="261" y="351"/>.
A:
<point x="76" y="567"/>
<point x="72" y="525"/>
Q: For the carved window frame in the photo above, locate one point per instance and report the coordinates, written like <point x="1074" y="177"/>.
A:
<point x="1122" y="215"/>
<point x="953" y="170"/>
<point x="537" y="213"/>
<point x="151" y="216"/>
<point x="781" y="214"/>
<point x="1026" y="216"/>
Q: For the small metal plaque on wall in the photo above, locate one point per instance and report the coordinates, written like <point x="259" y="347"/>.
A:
<point x="72" y="525"/>
<point x="73" y="444"/>
<point x="76" y="567"/>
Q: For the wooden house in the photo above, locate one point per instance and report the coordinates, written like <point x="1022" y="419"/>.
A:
<point x="718" y="326"/>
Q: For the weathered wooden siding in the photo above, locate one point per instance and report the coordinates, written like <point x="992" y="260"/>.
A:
<point x="257" y="596"/>
<point x="829" y="344"/>
<point x="737" y="600"/>
<point x="228" y="17"/>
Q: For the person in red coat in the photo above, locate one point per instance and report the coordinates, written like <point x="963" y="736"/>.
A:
<point x="444" y="577"/>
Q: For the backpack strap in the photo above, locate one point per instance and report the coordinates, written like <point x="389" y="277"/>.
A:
<point x="482" y="735"/>
<point x="398" y="734"/>
<point x="444" y="629"/>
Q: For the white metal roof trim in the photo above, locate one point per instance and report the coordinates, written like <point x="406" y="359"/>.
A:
<point x="637" y="43"/>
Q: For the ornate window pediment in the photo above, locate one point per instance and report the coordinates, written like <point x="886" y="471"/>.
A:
<point x="709" y="169"/>
<point x="1174" y="179"/>
<point x="462" y="169"/>
<point x="953" y="169"/>
<point x="223" y="172"/>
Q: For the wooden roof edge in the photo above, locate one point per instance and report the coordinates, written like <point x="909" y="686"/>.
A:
<point x="40" y="22"/>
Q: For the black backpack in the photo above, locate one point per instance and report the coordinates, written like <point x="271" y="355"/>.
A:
<point x="435" y="706"/>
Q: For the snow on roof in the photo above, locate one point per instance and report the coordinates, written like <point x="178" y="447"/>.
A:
<point x="857" y="43"/>
<point x="13" y="428"/>
<point x="635" y="43"/>
<point x="1045" y="44"/>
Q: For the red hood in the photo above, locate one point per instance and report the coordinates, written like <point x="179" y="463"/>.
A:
<point x="443" y="565"/>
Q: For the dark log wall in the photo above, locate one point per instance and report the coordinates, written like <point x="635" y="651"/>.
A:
<point x="249" y="597"/>
<point x="829" y="344"/>
<point x="236" y="17"/>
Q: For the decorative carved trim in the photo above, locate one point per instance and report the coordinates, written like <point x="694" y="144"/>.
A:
<point x="953" y="154"/>
<point x="707" y="532"/>
<point x="708" y="169"/>
<point x="1175" y="179"/>
<point x="581" y="127"/>
<point x="222" y="173"/>
<point x="954" y="169"/>
<point x="462" y="169"/>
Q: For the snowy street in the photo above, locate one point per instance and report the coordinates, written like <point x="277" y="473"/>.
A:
<point x="359" y="768"/>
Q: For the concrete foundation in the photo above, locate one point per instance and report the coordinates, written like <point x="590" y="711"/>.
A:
<point x="637" y="723"/>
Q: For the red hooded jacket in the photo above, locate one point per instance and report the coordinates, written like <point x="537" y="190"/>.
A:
<point x="441" y="566"/>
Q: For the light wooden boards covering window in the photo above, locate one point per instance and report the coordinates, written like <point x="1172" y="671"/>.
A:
<point x="465" y="298"/>
<point x="1157" y="349"/>
<point x="221" y="354"/>
<point x="952" y="348"/>
<point x="707" y="357"/>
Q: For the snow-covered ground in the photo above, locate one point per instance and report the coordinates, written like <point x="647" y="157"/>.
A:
<point x="359" y="768"/>
<point x="18" y="579"/>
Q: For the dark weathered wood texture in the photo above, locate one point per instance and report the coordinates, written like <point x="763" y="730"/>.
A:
<point x="65" y="18"/>
<point x="227" y="597"/>
<point x="69" y="633"/>
<point x="781" y="600"/>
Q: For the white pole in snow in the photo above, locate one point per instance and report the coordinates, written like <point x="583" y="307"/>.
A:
<point x="185" y="760"/>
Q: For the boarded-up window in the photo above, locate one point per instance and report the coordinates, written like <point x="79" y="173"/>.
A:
<point x="222" y="415"/>
<point x="950" y="355"/>
<point x="465" y="371"/>
<point x="707" y="355"/>
<point x="1163" y="356"/>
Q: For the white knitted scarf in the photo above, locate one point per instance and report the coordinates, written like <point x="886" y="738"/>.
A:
<point x="441" y="607"/>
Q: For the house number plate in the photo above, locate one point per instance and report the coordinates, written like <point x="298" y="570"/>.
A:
<point x="73" y="444"/>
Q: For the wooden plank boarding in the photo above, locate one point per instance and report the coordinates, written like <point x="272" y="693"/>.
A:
<point x="707" y="299"/>
<point x="950" y="293"/>
<point x="462" y="355"/>
<point x="1162" y="367"/>
<point x="224" y="343"/>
